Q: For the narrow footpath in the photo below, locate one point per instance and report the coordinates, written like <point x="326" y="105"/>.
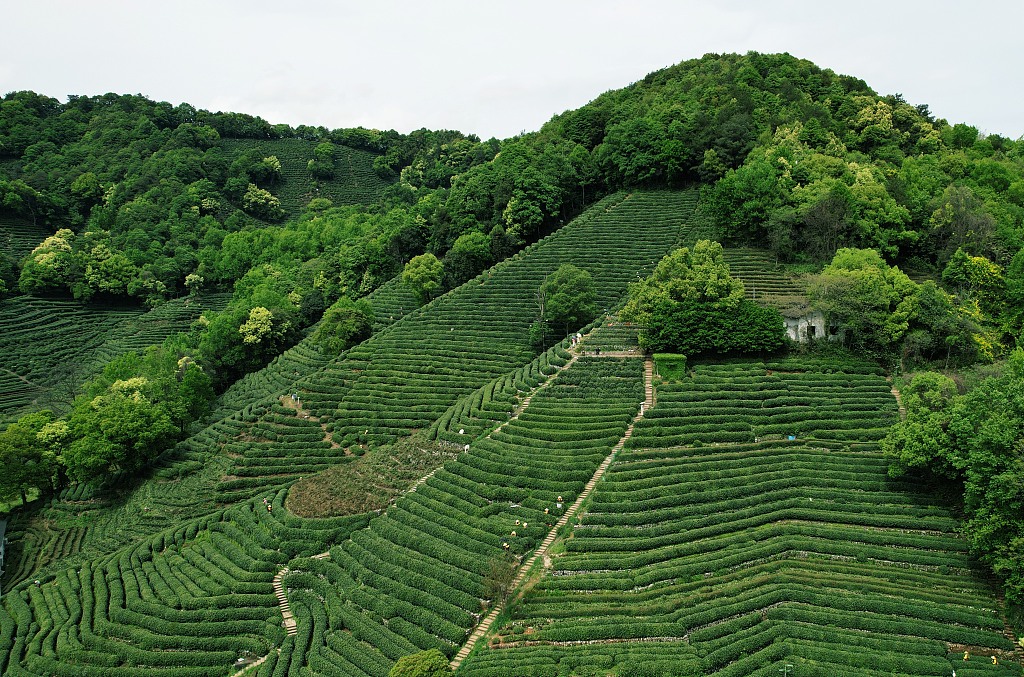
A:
<point x="481" y="629"/>
<point x="524" y="569"/>
<point x="288" y="621"/>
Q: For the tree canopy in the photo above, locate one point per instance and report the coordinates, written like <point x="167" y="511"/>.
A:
<point x="691" y="304"/>
<point x="871" y="302"/>
<point x="429" y="663"/>
<point x="423" y="274"/>
<point x="345" y="324"/>
<point x="974" y="440"/>
<point x="567" y="299"/>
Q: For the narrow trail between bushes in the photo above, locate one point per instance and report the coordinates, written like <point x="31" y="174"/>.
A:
<point x="899" y="400"/>
<point x="20" y="378"/>
<point x="296" y="404"/>
<point x="541" y="552"/>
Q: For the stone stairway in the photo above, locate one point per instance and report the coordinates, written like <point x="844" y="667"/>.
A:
<point x="282" y="601"/>
<point x="649" y="400"/>
<point x="524" y="569"/>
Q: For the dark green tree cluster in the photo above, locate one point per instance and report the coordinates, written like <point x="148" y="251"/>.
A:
<point x="147" y="190"/>
<point x="692" y="305"/>
<point x="974" y="442"/>
<point x="345" y="324"/>
<point x="29" y="455"/>
<point x="429" y="663"/>
<point x="322" y="164"/>
<point x="877" y="173"/>
<point x="795" y="157"/>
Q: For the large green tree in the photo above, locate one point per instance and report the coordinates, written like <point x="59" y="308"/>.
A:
<point x="567" y="299"/>
<point x="692" y="304"/>
<point x="430" y="663"/>
<point x="974" y="442"/>
<point x="27" y="458"/>
<point x="345" y="324"/>
<point x="423" y="274"/>
<point x="871" y="302"/>
<point x="122" y="429"/>
<point x="469" y="256"/>
<point x="694" y="328"/>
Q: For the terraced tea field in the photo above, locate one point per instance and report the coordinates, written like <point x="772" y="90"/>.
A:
<point x="743" y="557"/>
<point x="191" y="600"/>
<point x="762" y="277"/>
<point x="19" y="236"/>
<point x="121" y="556"/>
<point x="407" y="375"/>
<point x="51" y="345"/>
<point x="714" y="545"/>
<point x="354" y="180"/>
<point x="417" y="576"/>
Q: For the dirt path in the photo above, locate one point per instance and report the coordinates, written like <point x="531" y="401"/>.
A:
<point x="21" y="378"/>
<point x="288" y="403"/>
<point x="899" y="400"/>
<point x="541" y="553"/>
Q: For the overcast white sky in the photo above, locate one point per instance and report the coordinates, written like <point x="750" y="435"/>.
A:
<point x="496" y="69"/>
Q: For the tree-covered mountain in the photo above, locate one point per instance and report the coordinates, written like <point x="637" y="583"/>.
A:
<point x="792" y="156"/>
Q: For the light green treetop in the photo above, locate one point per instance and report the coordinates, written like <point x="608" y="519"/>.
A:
<point x="700" y="274"/>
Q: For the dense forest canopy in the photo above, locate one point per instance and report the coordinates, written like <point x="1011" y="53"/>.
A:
<point x="793" y="157"/>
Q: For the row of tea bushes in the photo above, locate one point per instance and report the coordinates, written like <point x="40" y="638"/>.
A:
<point x="761" y="554"/>
<point x="417" y="577"/>
<point x="741" y="402"/>
<point x="187" y="601"/>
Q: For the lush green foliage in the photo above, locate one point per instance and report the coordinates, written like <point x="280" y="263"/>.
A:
<point x="430" y="663"/>
<point x="871" y="301"/>
<point x="27" y="455"/>
<point x="567" y="299"/>
<point x="345" y="324"/>
<point x="974" y="439"/>
<point x="737" y="558"/>
<point x="423" y="274"/>
<point x="879" y="311"/>
<point x="692" y="305"/>
<point x="692" y="329"/>
<point x="700" y="275"/>
<point x="52" y="346"/>
<point x="874" y="173"/>
<point x="137" y="408"/>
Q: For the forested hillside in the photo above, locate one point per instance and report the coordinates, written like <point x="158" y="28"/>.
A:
<point x="232" y="345"/>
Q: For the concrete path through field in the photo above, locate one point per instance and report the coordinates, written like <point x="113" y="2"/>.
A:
<point x="482" y="628"/>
